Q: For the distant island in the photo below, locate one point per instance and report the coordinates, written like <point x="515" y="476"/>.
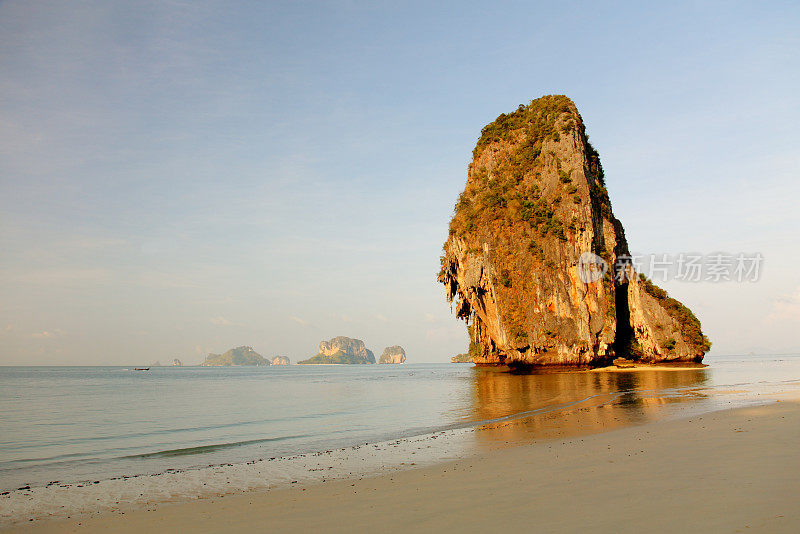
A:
<point x="239" y="356"/>
<point x="461" y="358"/>
<point x="394" y="354"/>
<point x="341" y="350"/>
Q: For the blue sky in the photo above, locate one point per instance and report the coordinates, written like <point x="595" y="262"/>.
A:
<point x="184" y="177"/>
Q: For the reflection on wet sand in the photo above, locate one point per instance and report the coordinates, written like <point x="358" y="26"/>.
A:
<point x="561" y="404"/>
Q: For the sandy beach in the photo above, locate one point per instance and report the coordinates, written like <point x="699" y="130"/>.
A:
<point x="726" y="471"/>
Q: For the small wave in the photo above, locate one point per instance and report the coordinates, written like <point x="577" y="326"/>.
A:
<point x="84" y="458"/>
<point x="203" y="449"/>
<point x="24" y="445"/>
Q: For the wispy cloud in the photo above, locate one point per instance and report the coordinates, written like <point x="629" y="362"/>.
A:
<point x="445" y="333"/>
<point x="220" y="321"/>
<point x="786" y="308"/>
<point x="382" y="318"/>
<point x="431" y="319"/>
<point x="47" y="334"/>
<point x="298" y="320"/>
<point x="56" y="277"/>
<point x="94" y="242"/>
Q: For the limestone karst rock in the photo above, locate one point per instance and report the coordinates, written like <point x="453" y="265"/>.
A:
<point x="341" y="350"/>
<point x="393" y="354"/>
<point x="239" y="356"/>
<point x="280" y="360"/>
<point x="535" y="203"/>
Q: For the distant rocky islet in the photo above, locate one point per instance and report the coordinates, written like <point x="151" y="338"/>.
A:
<point x="343" y="350"/>
<point x="394" y="354"/>
<point x="340" y="350"/>
<point x="243" y="355"/>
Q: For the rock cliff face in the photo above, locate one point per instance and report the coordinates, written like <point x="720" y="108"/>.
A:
<point x="280" y="360"/>
<point x="514" y="264"/>
<point x="394" y="354"/>
<point x="342" y="350"/>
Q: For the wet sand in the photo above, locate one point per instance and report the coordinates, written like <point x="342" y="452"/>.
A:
<point x="647" y="367"/>
<point x="726" y="471"/>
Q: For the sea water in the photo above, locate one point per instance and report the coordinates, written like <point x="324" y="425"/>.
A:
<point x="85" y="424"/>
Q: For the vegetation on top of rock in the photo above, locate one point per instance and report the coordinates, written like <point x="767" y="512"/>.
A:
<point x="239" y="356"/>
<point x="690" y="324"/>
<point x="504" y="196"/>
<point x="539" y="119"/>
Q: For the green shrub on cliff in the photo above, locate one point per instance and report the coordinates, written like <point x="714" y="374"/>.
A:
<point x="595" y="166"/>
<point x="474" y="345"/>
<point x="528" y="153"/>
<point x="689" y="323"/>
<point x="538" y="119"/>
<point x="572" y="225"/>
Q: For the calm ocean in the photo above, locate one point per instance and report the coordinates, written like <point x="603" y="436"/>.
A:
<point x="73" y="424"/>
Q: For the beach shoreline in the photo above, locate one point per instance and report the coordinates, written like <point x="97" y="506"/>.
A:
<point x="710" y="471"/>
<point x="648" y="367"/>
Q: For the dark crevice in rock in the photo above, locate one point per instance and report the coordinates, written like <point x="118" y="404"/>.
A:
<point x="624" y="334"/>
